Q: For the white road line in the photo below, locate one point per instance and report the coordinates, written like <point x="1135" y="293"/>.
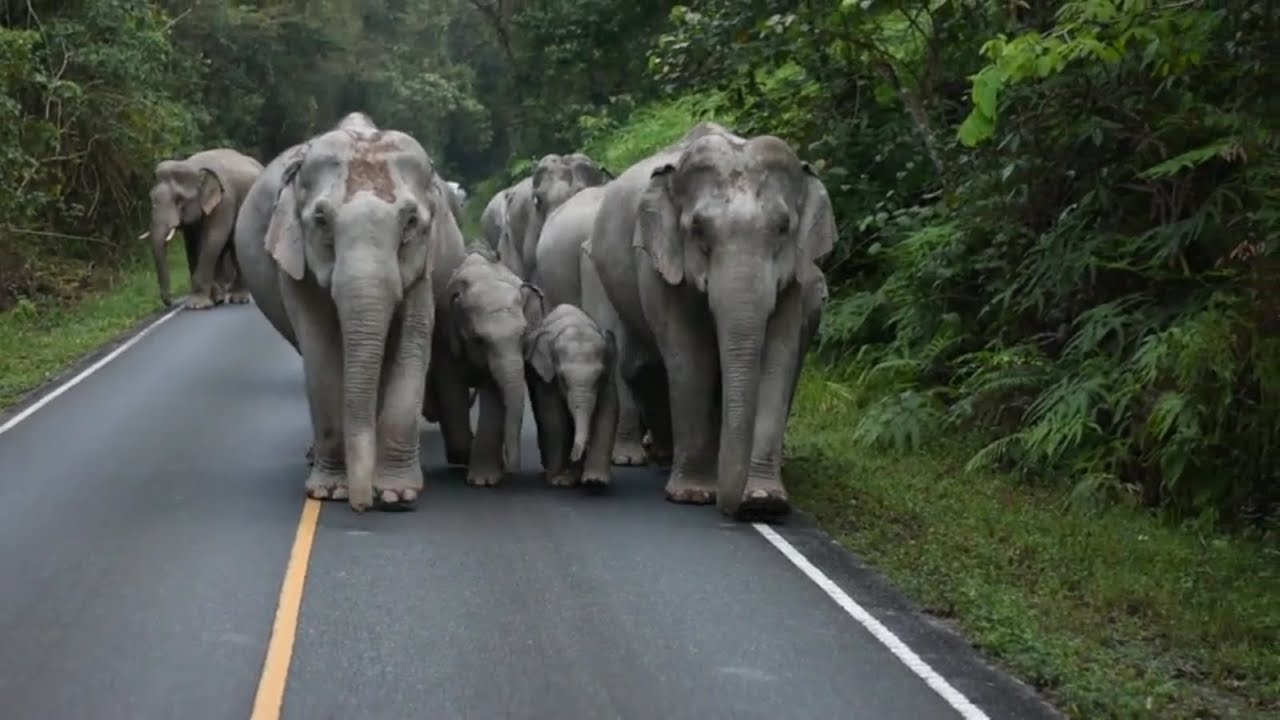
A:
<point x="31" y="410"/>
<point x="959" y="702"/>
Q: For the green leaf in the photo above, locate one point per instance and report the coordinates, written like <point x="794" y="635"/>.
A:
<point x="975" y="129"/>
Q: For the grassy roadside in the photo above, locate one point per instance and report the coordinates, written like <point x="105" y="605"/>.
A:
<point x="1112" y="615"/>
<point x="38" y="341"/>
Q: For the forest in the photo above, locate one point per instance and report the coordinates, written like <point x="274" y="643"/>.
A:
<point x="1059" y="249"/>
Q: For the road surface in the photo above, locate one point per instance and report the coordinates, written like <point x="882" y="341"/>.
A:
<point x="148" y="514"/>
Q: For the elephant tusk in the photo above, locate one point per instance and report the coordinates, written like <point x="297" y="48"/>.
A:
<point x="143" y="236"/>
<point x="169" y="237"/>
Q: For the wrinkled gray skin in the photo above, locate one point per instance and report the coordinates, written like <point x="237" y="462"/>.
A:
<point x="489" y="308"/>
<point x="565" y="276"/>
<point x="344" y="234"/>
<point x="707" y="251"/>
<point x="494" y="218"/>
<point x="201" y="196"/>
<point x="555" y="179"/>
<point x="570" y="376"/>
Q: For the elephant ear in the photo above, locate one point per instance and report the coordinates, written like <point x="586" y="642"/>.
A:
<point x="657" y="227"/>
<point x="211" y="191"/>
<point x="284" y="235"/>
<point x="534" y="304"/>
<point x="817" y="221"/>
<point x="537" y="353"/>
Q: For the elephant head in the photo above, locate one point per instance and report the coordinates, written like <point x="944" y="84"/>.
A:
<point x="555" y="179"/>
<point x="568" y="349"/>
<point x="359" y="217"/>
<point x="490" y="309"/>
<point x="739" y="221"/>
<point x="183" y="194"/>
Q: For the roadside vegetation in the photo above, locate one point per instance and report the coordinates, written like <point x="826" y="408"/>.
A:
<point x="1046" y="396"/>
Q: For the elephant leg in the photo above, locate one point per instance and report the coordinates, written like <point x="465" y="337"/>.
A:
<point x="319" y="340"/>
<point x="213" y="240"/>
<point x="554" y="433"/>
<point x="191" y="244"/>
<point x="237" y="291"/>
<point x="686" y="341"/>
<point x="486" y="448"/>
<point x="453" y="405"/>
<point x="598" y="461"/>
<point x="430" y="406"/>
<point x="398" y="480"/>
<point x="628" y="447"/>
<point x="653" y="413"/>
<point x="765" y="497"/>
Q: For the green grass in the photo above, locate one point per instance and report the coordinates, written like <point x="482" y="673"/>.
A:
<point x="37" y="341"/>
<point x="1111" y="614"/>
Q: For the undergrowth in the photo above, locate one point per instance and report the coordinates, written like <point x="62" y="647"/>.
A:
<point x="1110" y="612"/>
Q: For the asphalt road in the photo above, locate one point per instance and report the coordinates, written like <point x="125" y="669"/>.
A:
<point x="147" y="516"/>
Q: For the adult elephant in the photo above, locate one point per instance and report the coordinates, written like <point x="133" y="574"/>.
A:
<point x="201" y="196"/>
<point x="566" y="276"/>
<point x="708" y="252"/>
<point x="555" y="179"/>
<point x="494" y="218"/>
<point x="344" y="238"/>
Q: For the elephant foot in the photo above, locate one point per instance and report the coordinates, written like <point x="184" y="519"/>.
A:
<point x="564" y="478"/>
<point x="398" y="488"/>
<point x="239" y="297"/>
<point x="484" y="477"/>
<point x="198" y="302"/>
<point x="326" y="484"/>
<point x="628" y="452"/>
<point x="660" y="456"/>
<point x="690" y="490"/>
<point x="595" y="479"/>
<point x="763" y="500"/>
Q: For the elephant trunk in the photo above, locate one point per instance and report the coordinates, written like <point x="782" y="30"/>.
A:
<point x="582" y="405"/>
<point x="509" y="374"/>
<point x="162" y="229"/>
<point x="364" y="316"/>
<point x="741" y="309"/>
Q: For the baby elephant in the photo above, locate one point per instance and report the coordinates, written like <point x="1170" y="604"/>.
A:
<point x="489" y="314"/>
<point x="575" y="404"/>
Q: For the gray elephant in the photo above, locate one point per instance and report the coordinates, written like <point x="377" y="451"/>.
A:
<point x="494" y="218"/>
<point x="570" y="363"/>
<point x="201" y="196"/>
<point x="555" y="179"/>
<point x="489" y="311"/>
<point x="342" y="237"/>
<point x="708" y="252"/>
<point x="565" y="275"/>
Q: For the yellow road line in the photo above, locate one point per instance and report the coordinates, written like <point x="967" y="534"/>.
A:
<point x="275" y="670"/>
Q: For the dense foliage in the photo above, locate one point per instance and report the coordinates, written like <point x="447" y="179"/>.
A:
<point x="1059" y="220"/>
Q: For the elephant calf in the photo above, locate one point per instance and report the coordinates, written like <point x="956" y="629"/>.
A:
<point x="489" y="311"/>
<point x="575" y="404"/>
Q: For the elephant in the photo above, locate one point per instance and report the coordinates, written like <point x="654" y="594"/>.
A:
<point x="489" y="311"/>
<point x="569" y="371"/>
<point x="555" y="179"/>
<point x="494" y="217"/>
<point x="343" y="237"/>
<point x="708" y="251"/>
<point x="565" y="275"/>
<point x="202" y="196"/>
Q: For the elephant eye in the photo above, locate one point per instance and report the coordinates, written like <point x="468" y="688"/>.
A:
<point x="783" y="225"/>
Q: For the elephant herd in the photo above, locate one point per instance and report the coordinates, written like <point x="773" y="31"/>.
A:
<point x="661" y="315"/>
